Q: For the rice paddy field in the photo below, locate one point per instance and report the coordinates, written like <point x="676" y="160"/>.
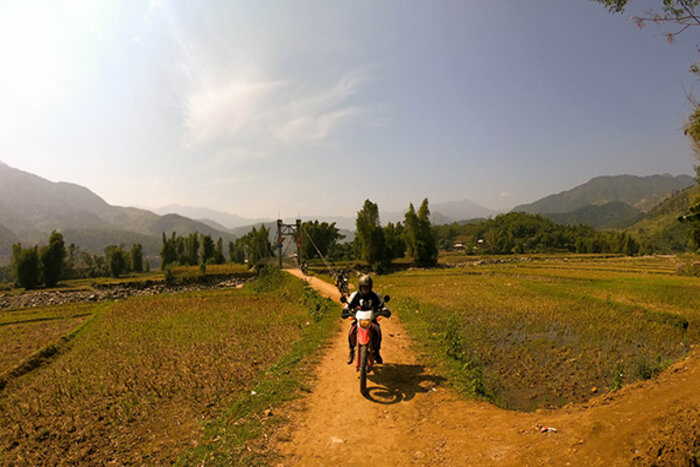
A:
<point x="544" y="331"/>
<point x="142" y="380"/>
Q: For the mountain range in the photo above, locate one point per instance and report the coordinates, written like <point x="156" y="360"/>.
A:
<point x="441" y="213"/>
<point x="609" y="201"/>
<point x="31" y="207"/>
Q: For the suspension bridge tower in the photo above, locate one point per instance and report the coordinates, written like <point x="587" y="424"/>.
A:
<point x="289" y="230"/>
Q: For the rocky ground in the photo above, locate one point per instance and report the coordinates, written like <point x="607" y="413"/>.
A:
<point x="58" y="297"/>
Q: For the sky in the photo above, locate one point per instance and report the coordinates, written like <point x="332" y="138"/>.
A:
<point x="262" y="108"/>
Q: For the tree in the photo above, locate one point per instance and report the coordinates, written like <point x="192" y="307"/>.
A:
<point x="427" y="240"/>
<point x="136" y="254"/>
<point x="25" y="262"/>
<point x="236" y="251"/>
<point x="370" y="235"/>
<point x="191" y="254"/>
<point x="219" y="252"/>
<point x="321" y="235"/>
<point x="116" y="259"/>
<point x="677" y="13"/>
<point x="393" y="238"/>
<point x="207" y="249"/>
<point x="692" y="217"/>
<point x="421" y="241"/>
<point x="52" y="257"/>
<point x="410" y="230"/>
<point x="168" y="252"/>
<point x="256" y="244"/>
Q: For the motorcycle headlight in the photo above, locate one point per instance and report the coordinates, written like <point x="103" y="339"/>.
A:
<point x="365" y="323"/>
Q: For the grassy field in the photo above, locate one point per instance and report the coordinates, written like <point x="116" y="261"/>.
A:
<point x="24" y="332"/>
<point x="151" y="380"/>
<point x="544" y="331"/>
<point x="181" y="275"/>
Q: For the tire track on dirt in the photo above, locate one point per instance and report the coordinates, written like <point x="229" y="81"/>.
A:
<point x="411" y="417"/>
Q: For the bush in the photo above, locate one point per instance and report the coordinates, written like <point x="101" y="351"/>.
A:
<point x="116" y="260"/>
<point x="270" y="278"/>
<point x="52" y="259"/>
<point x="26" y="265"/>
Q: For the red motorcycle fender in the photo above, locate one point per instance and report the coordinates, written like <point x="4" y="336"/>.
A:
<point x="363" y="335"/>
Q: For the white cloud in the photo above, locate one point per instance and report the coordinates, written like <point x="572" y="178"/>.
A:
<point x="505" y="194"/>
<point x="315" y="117"/>
<point x="223" y="110"/>
<point x="262" y="110"/>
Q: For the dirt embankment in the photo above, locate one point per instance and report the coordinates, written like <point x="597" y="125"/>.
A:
<point x="410" y="416"/>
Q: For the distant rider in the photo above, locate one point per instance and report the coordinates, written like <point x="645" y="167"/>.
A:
<point x="341" y="282"/>
<point x="365" y="298"/>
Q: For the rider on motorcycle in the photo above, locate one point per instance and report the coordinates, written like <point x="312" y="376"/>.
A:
<point x="367" y="299"/>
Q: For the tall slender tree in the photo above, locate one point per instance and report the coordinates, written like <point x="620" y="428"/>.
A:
<point x="52" y="257"/>
<point x="370" y="234"/>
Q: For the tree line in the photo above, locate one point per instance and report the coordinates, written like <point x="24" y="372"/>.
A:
<point x="195" y="249"/>
<point x="519" y="232"/>
<point x="374" y="244"/>
<point x="33" y="266"/>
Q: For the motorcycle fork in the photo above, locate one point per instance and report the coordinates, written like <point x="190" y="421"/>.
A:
<point x="364" y="337"/>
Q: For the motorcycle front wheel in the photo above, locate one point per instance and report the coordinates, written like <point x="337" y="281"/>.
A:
<point x="363" y="369"/>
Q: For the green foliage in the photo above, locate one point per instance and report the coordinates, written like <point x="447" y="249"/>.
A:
<point x="255" y="244"/>
<point x="619" y="378"/>
<point x="117" y="260"/>
<point x="168" y="252"/>
<point x="421" y="239"/>
<point x="169" y="277"/>
<point x="454" y="347"/>
<point x="236" y="252"/>
<point x="323" y="235"/>
<point x="270" y="278"/>
<point x="207" y="249"/>
<point x="370" y="235"/>
<point x="609" y="215"/>
<point x="394" y="240"/>
<point x="518" y="232"/>
<point x="136" y="257"/>
<point x="692" y="130"/>
<point x="644" y="368"/>
<point x="219" y="252"/>
<point x="25" y="262"/>
<point x="52" y="257"/>
<point x="191" y="250"/>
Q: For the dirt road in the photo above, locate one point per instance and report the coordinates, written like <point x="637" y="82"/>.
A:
<point x="411" y="417"/>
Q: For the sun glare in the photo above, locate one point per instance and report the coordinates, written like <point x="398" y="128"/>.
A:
<point x="36" y="56"/>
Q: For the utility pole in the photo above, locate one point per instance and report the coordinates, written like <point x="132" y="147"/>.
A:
<point x="288" y="230"/>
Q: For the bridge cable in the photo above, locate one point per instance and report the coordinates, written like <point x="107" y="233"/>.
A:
<point x="328" y="266"/>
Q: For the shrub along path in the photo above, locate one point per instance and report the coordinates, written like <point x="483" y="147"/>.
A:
<point x="410" y="416"/>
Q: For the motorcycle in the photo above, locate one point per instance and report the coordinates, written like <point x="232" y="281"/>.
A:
<point x="365" y="319"/>
<point x="341" y="282"/>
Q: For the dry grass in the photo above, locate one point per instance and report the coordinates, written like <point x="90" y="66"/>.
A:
<point x="143" y="374"/>
<point x="545" y="332"/>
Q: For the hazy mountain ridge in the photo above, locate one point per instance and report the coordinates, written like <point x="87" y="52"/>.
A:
<point x="639" y="192"/>
<point x="661" y="223"/>
<point x="224" y="219"/>
<point x="609" y="215"/>
<point x="32" y="207"/>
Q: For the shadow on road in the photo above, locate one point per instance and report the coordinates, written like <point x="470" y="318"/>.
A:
<point x="396" y="383"/>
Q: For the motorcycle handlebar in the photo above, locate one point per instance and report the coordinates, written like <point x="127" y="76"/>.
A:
<point x="347" y="313"/>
